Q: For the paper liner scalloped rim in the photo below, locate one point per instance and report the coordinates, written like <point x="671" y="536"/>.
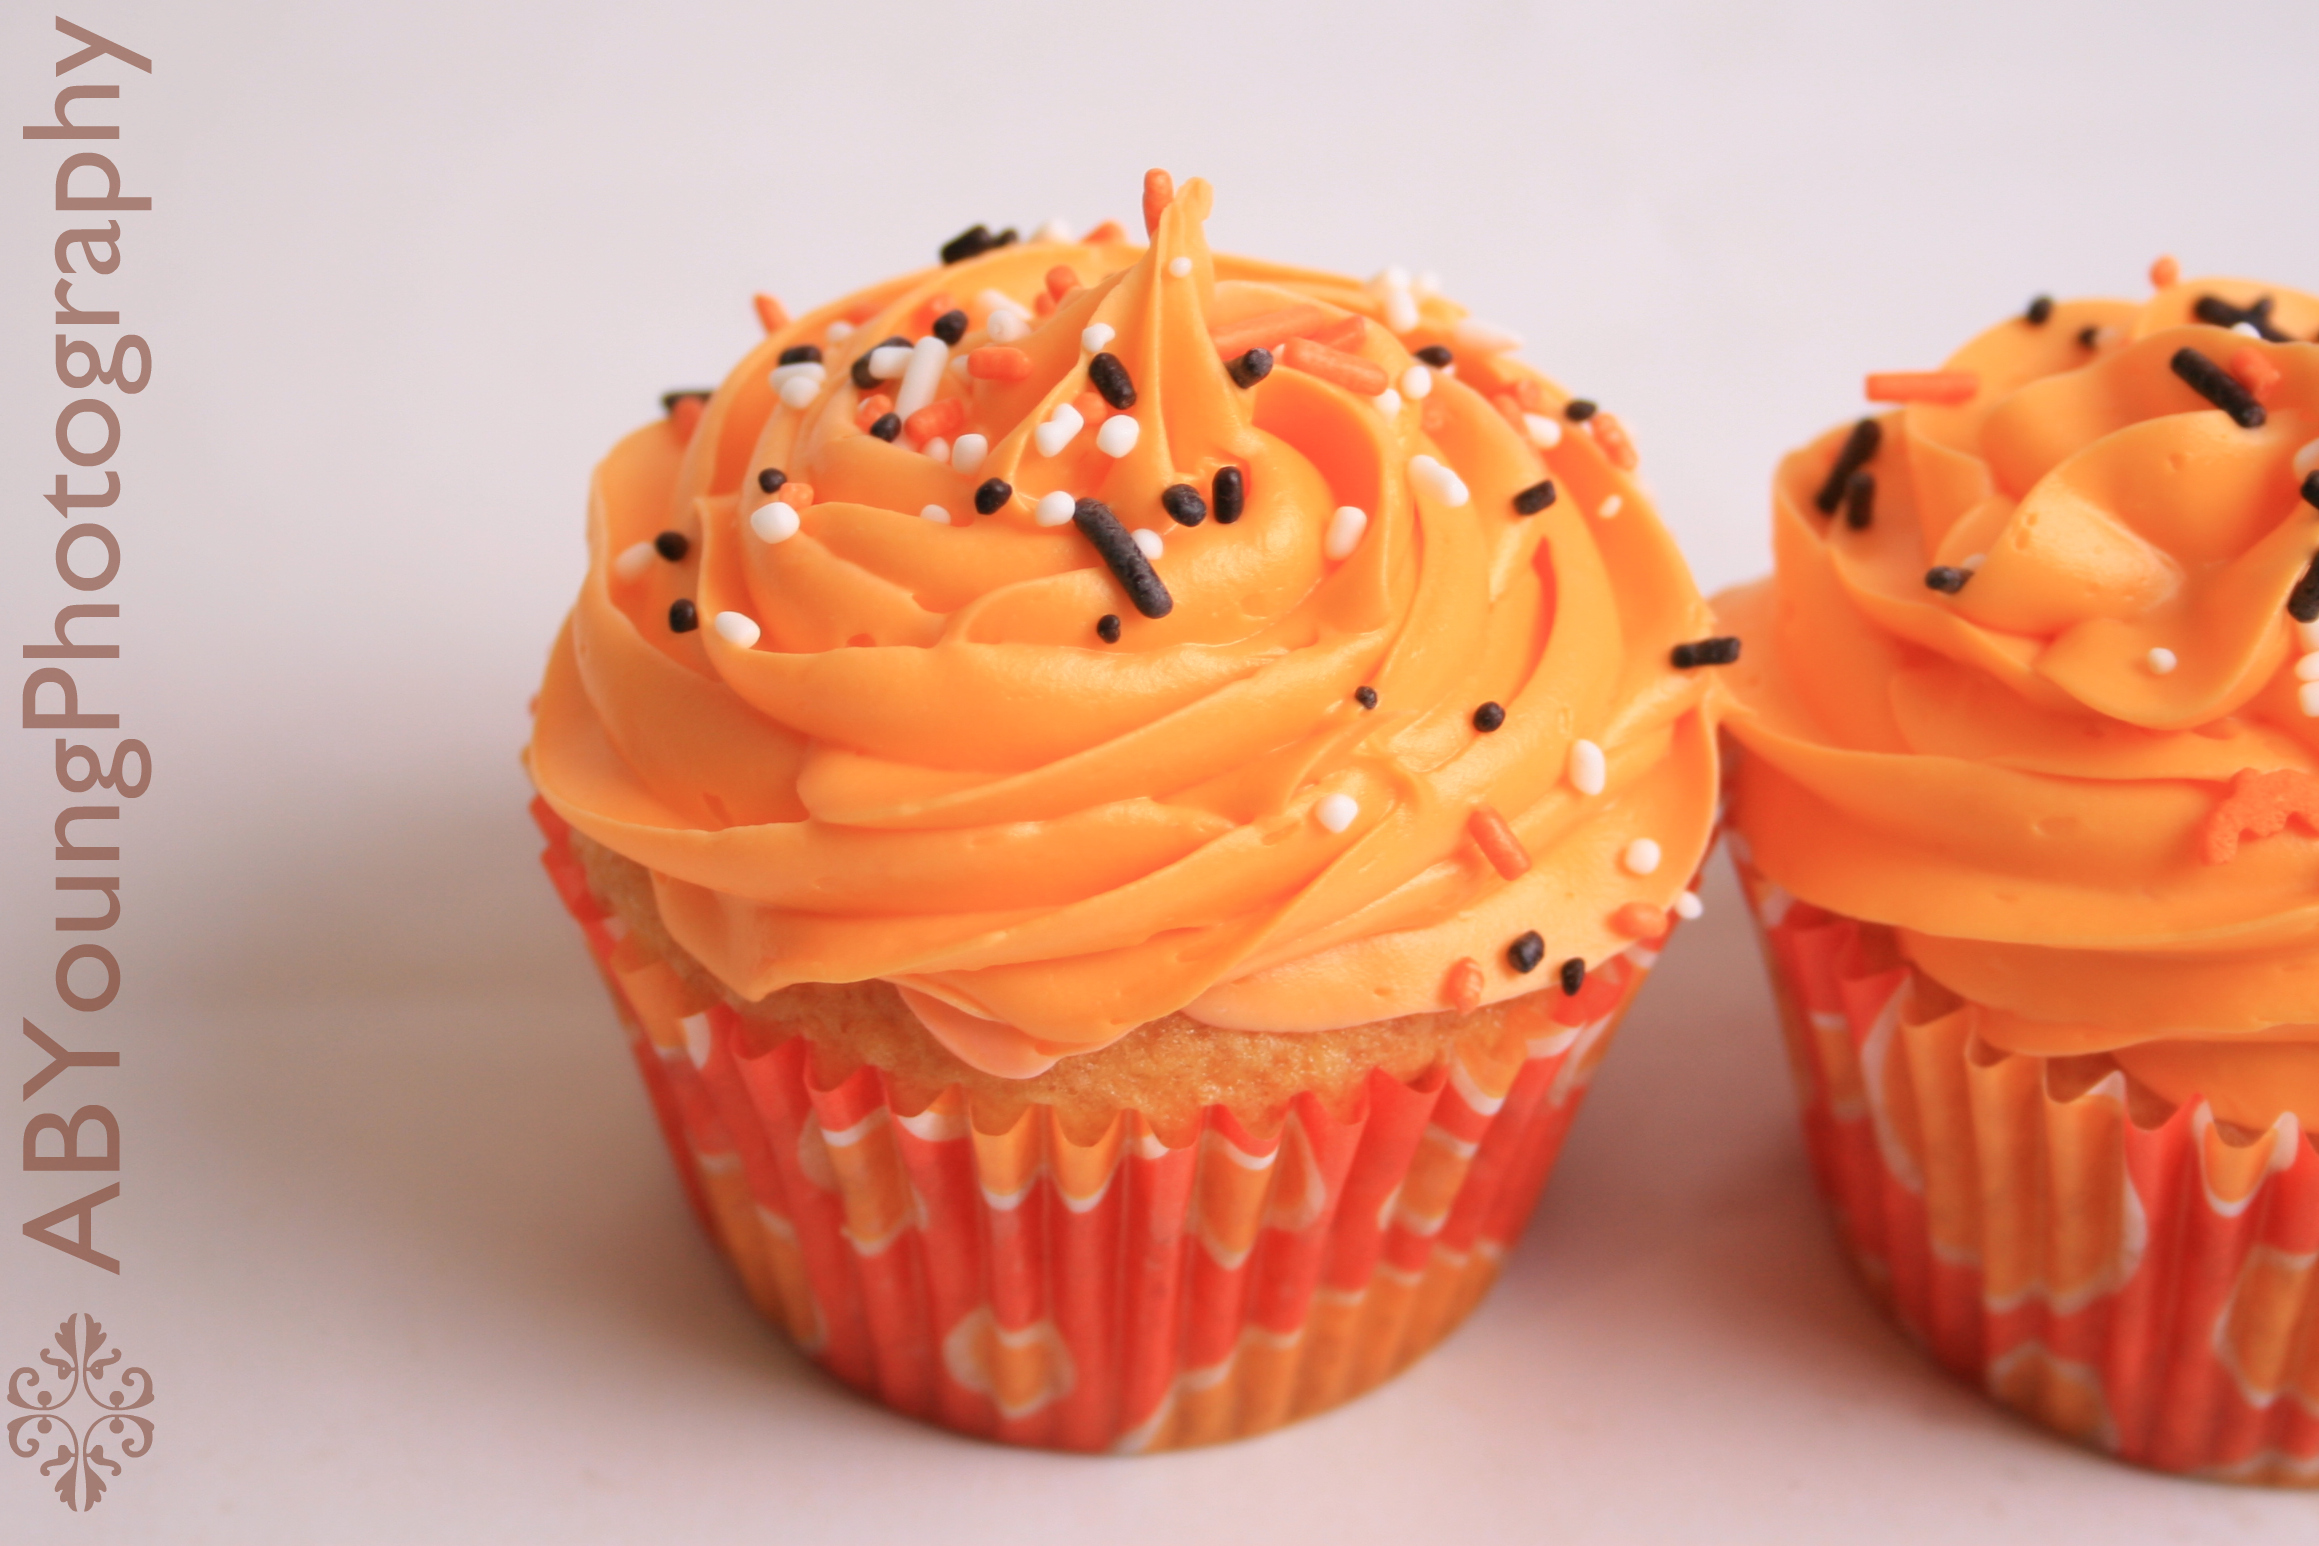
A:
<point x="2147" y="1291"/>
<point x="1120" y="1295"/>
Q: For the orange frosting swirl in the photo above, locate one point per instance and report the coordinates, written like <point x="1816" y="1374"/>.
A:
<point x="2020" y="775"/>
<point x="918" y="759"/>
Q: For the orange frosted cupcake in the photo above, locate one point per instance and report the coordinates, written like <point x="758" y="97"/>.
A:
<point x="1121" y="792"/>
<point x="2025" y="802"/>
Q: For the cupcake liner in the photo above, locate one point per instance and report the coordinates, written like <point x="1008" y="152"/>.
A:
<point x="2143" y="1289"/>
<point x="1122" y="1294"/>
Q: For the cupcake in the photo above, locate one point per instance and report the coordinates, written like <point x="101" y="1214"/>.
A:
<point x="1120" y="793"/>
<point x="2024" y="798"/>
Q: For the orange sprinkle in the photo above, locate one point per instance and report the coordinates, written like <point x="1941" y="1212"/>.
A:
<point x="1043" y="304"/>
<point x="1266" y="329"/>
<point x="1092" y="407"/>
<point x="2260" y="804"/>
<point x="1061" y="280"/>
<point x="1498" y="843"/>
<point x="771" y="312"/>
<point x="1923" y="386"/>
<point x="796" y="495"/>
<point x="1611" y="435"/>
<point x="1465" y="984"/>
<point x="1159" y="191"/>
<point x="997" y="362"/>
<point x="1109" y="231"/>
<point x="871" y="409"/>
<point x="684" y="416"/>
<point x="1349" y="371"/>
<point x="1346" y="334"/>
<point x="936" y="421"/>
<point x="1640" y="920"/>
<point x="2165" y="273"/>
<point x="2253" y="370"/>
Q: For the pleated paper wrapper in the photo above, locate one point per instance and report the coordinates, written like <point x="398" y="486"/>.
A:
<point x="1121" y="1295"/>
<point x="2143" y="1289"/>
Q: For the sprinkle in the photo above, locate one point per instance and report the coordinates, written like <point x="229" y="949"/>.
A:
<point x="1719" y="651"/>
<point x="1578" y="410"/>
<point x="1183" y="503"/>
<point x="1149" y="543"/>
<point x="1859" y="449"/>
<point x="1107" y="628"/>
<point x="1366" y="697"/>
<point x="2213" y="383"/>
<point x="871" y="409"/>
<point x="1267" y="329"/>
<point x="1392" y="286"/>
<point x="1365" y="377"/>
<point x="2252" y="369"/>
<point x="887" y="426"/>
<point x="737" y="628"/>
<point x="812" y="370"/>
<point x="992" y="495"/>
<point x="1946" y="387"/>
<point x="1111" y="379"/>
<point x="864" y="378"/>
<point x="1159" y="191"/>
<point x="1482" y="338"/>
<point x="1496" y="838"/>
<point x="1438" y="481"/>
<point x="2307" y="668"/>
<point x="937" y="449"/>
<point x="774" y="522"/>
<point x="1545" y="433"/>
<point x="921" y="374"/>
<point x="1860" y="500"/>
<point x="1388" y="402"/>
<point x="2307" y="698"/>
<point x="1688" y="905"/>
<point x="771" y="314"/>
<point x="1118" y="435"/>
<point x="683" y="616"/>
<point x="889" y="362"/>
<point x="1524" y="954"/>
<point x="1612" y="437"/>
<point x="839" y="331"/>
<point x="973" y="242"/>
<point x="1946" y="579"/>
<point x="1250" y="368"/>
<point x="2215" y="310"/>
<point x="1124" y="555"/>
<point x="1640" y="920"/>
<point x="1179" y="267"/>
<point x="1641" y="857"/>
<point x="1437" y="356"/>
<point x="1336" y="811"/>
<point x="1064" y="423"/>
<point x="2258" y="805"/>
<point x="800" y="391"/>
<point x="2162" y="661"/>
<point x="1054" y="509"/>
<point x="1344" y="531"/>
<point x="1588" y="768"/>
<point x="800" y="354"/>
<point x="2040" y="311"/>
<point x="684" y="412"/>
<point x="1573" y="975"/>
<point x="1427" y="284"/>
<point x="1062" y="279"/>
<point x="1228" y="494"/>
<point x="672" y="545"/>
<point x="1465" y="985"/>
<point x="2165" y="273"/>
<point x="1055" y="230"/>
<point x="967" y="452"/>
<point x="2306" y="462"/>
<point x="2091" y="337"/>
<point x="995" y="362"/>
<point x="1489" y="717"/>
<point x="1005" y="326"/>
<point x="1535" y="498"/>
<point x="1097" y="336"/>
<point x="2303" y="600"/>
<point x="1416" y="382"/>
<point x="1610" y="506"/>
<point x="933" y="424"/>
<point x="634" y="561"/>
<point x="770" y="479"/>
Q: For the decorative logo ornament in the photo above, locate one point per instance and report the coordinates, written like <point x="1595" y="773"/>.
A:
<point x="80" y="1460"/>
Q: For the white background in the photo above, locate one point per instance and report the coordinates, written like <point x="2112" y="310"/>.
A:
<point x="400" y="1250"/>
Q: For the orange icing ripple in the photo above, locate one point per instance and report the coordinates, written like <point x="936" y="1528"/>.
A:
<point x="2021" y="775"/>
<point x="897" y="746"/>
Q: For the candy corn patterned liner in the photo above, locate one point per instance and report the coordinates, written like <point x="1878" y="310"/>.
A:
<point x="2129" y="1277"/>
<point x="1119" y="1295"/>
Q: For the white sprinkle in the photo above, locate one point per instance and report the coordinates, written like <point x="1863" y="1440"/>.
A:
<point x="737" y="628"/>
<point x="1005" y="327"/>
<point x="800" y="391"/>
<point x="1482" y="338"/>
<point x="1588" y="771"/>
<point x="1118" y="434"/>
<point x="967" y="452"/>
<point x="1426" y="285"/>
<point x="923" y="377"/>
<point x="1388" y="402"/>
<point x="1611" y="506"/>
<point x="1344" y="533"/>
<point x="1149" y="544"/>
<point x="2247" y="328"/>
<point x="2308" y="696"/>
<point x="1337" y="811"/>
<point x="1438" y="481"/>
<point x="1400" y="311"/>
<point x="2309" y="634"/>
<point x="1688" y="905"/>
<point x="958" y="363"/>
<point x="1097" y="337"/>
<point x="1179" y="267"/>
<point x="1416" y="381"/>
<point x="888" y="361"/>
<point x="1391" y="277"/>
<point x="1973" y="561"/>
<point x="2307" y="461"/>
<point x="2307" y="668"/>
<point x="938" y="450"/>
<point x="1055" y="230"/>
<point x="936" y="514"/>
<point x="839" y="332"/>
<point x="1054" y="509"/>
<point x="634" y="560"/>
<point x="1545" y="433"/>
<point x="2162" y="661"/>
<point x="773" y="522"/>
<point x="784" y="374"/>
<point x="1052" y="436"/>
<point x="1641" y="856"/>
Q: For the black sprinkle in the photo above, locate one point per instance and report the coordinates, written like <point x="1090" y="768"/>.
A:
<point x="2219" y="387"/>
<point x="1366" y="697"/>
<point x="950" y="326"/>
<point x="1524" y="954"/>
<point x="770" y="480"/>
<point x="1578" y="410"/>
<point x="2089" y="337"/>
<point x="887" y="426"/>
<point x="1251" y="367"/>
<point x="991" y="494"/>
<point x="2311" y="488"/>
<point x="1946" y="578"/>
<point x="2221" y="313"/>
<point x="1860" y="500"/>
<point x="672" y="545"/>
<point x="1437" y="356"/>
<point x="1107" y="628"/>
<point x="1183" y="504"/>
<point x="669" y="400"/>
<point x="1859" y="449"/>
<point x="1534" y="498"/>
<point x="1111" y="379"/>
<point x="1489" y="716"/>
<point x="2303" y="600"/>
<point x="800" y="354"/>
<point x="1128" y="565"/>
<point x="1228" y="494"/>
<point x="1720" y="651"/>
<point x="2040" y="311"/>
<point x="1573" y="975"/>
<point x="974" y="241"/>
<point x="683" y="616"/>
